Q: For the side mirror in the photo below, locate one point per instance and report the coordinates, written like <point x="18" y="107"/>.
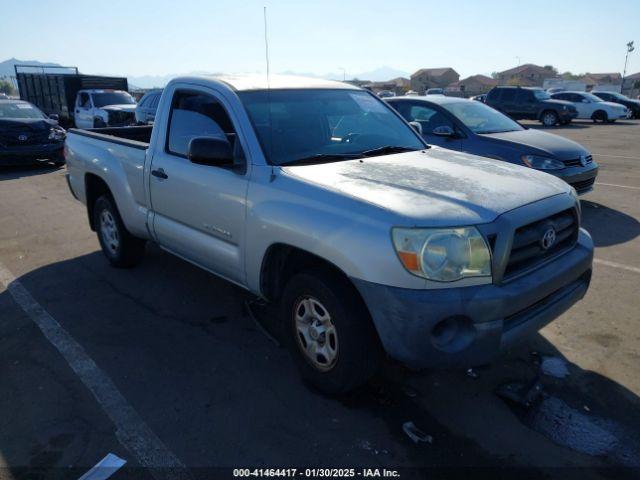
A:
<point x="444" y="131"/>
<point x="417" y="126"/>
<point x="215" y="152"/>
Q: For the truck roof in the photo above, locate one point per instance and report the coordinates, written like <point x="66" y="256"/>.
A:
<point x="276" y="82"/>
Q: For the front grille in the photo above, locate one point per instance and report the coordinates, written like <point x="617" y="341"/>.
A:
<point x="527" y="249"/>
<point x="12" y="137"/>
<point x="121" y="119"/>
<point x="576" y="162"/>
<point x="584" y="185"/>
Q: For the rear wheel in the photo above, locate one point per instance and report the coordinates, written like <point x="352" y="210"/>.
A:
<point x="549" y="118"/>
<point x="600" y="116"/>
<point x="122" y="249"/>
<point x="330" y="333"/>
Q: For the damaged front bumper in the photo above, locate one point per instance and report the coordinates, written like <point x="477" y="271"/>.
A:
<point x="468" y="326"/>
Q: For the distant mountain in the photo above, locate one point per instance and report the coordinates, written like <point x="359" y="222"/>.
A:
<point x="7" y="70"/>
<point x="152" y="81"/>
<point x="376" y="75"/>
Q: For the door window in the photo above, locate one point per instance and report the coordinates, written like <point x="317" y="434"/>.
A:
<point x="195" y="114"/>
<point x="85" y="101"/>
<point x="509" y="94"/>
<point x="429" y="118"/>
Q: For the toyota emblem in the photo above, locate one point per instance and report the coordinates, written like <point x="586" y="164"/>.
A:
<point x="548" y="239"/>
<point x="22" y="138"/>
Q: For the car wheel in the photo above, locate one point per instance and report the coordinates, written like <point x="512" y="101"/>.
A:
<point x="122" y="249"/>
<point x="549" y="118"/>
<point x="331" y="335"/>
<point x="599" y="116"/>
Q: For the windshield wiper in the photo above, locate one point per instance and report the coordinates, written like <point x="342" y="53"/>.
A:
<point x="320" y="158"/>
<point x="388" y="149"/>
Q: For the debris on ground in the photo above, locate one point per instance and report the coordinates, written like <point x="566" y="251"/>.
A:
<point x="472" y="373"/>
<point x="415" y="434"/>
<point x="409" y="391"/>
<point x="554" y="367"/>
<point x="523" y="394"/>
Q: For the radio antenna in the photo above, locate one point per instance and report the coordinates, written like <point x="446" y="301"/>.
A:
<point x="266" y="56"/>
<point x="266" y="44"/>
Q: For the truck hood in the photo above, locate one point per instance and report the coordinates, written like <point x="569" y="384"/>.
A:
<point x="127" y="107"/>
<point x="543" y="143"/>
<point x="35" y="124"/>
<point x="436" y="187"/>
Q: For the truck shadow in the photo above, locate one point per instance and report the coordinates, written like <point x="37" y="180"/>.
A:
<point x="180" y="346"/>
<point x="608" y="226"/>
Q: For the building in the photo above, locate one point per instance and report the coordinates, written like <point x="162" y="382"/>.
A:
<point x="527" y="75"/>
<point x="399" y="85"/>
<point x="595" y="79"/>
<point x="473" y="85"/>
<point x="426" y="78"/>
<point x="631" y="86"/>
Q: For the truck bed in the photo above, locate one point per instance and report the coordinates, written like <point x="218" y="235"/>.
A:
<point x="135" y="137"/>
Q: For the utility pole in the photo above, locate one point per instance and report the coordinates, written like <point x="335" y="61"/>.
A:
<point x="630" y="48"/>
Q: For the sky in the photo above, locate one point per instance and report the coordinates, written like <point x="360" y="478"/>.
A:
<point x="157" y="37"/>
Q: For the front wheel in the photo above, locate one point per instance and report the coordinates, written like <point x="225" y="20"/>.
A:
<point x="600" y="116"/>
<point x="330" y="333"/>
<point x="549" y="118"/>
<point x="122" y="249"/>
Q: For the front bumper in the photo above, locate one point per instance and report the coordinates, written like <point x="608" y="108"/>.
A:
<point x="580" y="178"/>
<point x="479" y="322"/>
<point x="29" y="153"/>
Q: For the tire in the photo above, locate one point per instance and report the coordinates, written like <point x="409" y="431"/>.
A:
<point x="122" y="249"/>
<point x="549" y="118"/>
<point x="600" y="116"/>
<point x="347" y="345"/>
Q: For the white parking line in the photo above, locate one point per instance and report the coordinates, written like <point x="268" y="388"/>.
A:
<point x="616" y="265"/>
<point x="619" y="186"/>
<point x="104" y="468"/>
<point x="132" y="432"/>
<point x="614" y="156"/>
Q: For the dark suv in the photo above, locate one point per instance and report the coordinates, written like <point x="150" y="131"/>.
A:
<point x="531" y="103"/>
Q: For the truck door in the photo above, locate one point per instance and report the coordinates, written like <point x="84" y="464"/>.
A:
<point x="527" y="104"/>
<point x="199" y="210"/>
<point x="83" y="113"/>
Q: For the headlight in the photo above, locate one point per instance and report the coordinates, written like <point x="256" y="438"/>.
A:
<point x="541" y="163"/>
<point x="443" y="254"/>
<point x="57" y="134"/>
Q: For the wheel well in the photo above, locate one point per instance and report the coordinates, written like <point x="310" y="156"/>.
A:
<point x="599" y="112"/>
<point x="95" y="187"/>
<point x="283" y="261"/>
<point x="548" y="110"/>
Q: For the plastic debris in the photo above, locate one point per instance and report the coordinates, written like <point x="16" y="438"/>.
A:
<point x="472" y="373"/>
<point x="521" y="394"/>
<point x="409" y="391"/>
<point x="415" y="434"/>
<point x="554" y="367"/>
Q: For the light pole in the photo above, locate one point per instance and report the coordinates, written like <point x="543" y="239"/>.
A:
<point x="630" y="48"/>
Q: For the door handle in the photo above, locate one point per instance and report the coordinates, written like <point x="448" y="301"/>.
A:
<point x="159" y="173"/>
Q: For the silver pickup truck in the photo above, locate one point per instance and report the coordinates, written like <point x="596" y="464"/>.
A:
<point x="320" y="198"/>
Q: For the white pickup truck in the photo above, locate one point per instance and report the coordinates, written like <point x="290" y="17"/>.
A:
<point x="104" y="108"/>
<point x="319" y="197"/>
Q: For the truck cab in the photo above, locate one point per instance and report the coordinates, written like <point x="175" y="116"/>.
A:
<point x="104" y="108"/>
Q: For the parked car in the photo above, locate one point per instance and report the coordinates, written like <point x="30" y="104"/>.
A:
<point x="472" y="127"/>
<point x="27" y="135"/>
<point x="147" y="106"/>
<point x="3" y="96"/>
<point x="531" y="103"/>
<point x="553" y="90"/>
<point x="104" y="108"/>
<point x="386" y="94"/>
<point x="318" y="197"/>
<point x="480" y="98"/>
<point x="594" y="108"/>
<point x="615" y="97"/>
<point x="435" y="91"/>
<point x="411" y="93"/>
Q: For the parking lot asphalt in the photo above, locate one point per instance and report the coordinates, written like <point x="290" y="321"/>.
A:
<point x="180" y="348"/>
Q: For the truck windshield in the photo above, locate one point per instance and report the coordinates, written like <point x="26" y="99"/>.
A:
<point x="19" y="110"/>
<point x="112" y="98"/>
<point x="480" y="118"/>
<point x="325" y="125"/>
